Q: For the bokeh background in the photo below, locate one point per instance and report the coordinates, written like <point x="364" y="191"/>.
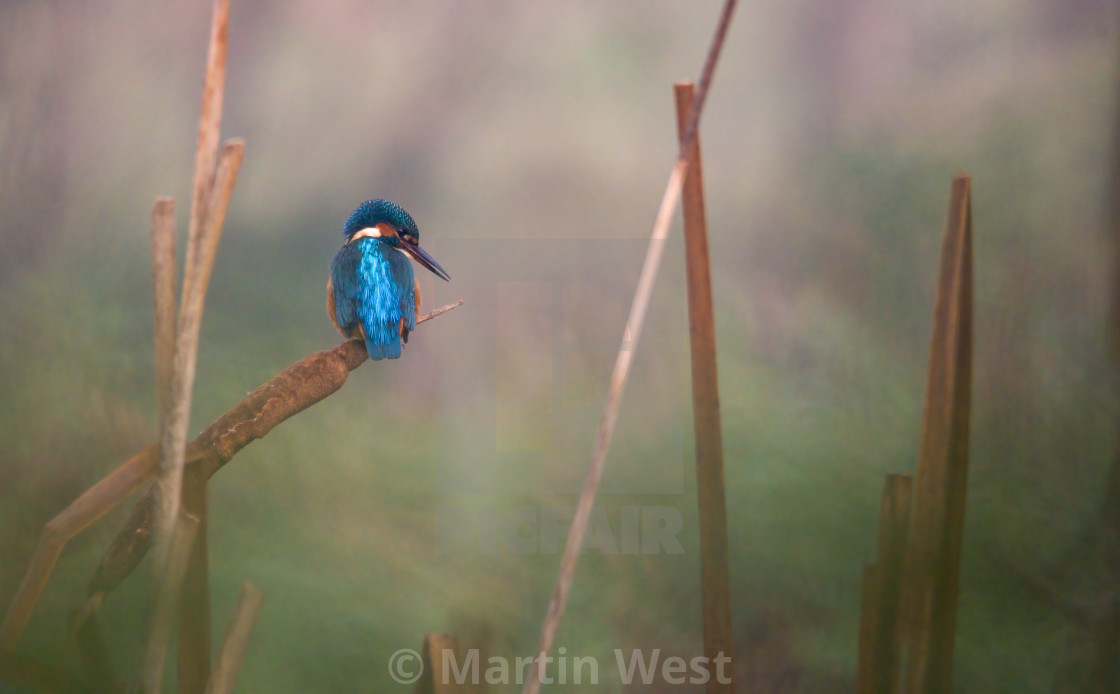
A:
<point x="531" y="141"/>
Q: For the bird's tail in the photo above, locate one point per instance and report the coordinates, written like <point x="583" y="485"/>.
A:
<point x="388" y="350"/>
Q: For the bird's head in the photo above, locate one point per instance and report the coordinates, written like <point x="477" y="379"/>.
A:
<point x="388" y="223"/>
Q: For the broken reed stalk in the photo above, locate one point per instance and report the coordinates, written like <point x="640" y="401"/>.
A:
<point x="213" y="187"/>
<point x="715" y="583"/>
<point x="164" y="325"/>
<point x="159" y="635"/>
<point x="631" y="334"/>
<point x="194" y="627"/>
<point x="881" y="616"/>
<point x="196" y="278"/>
<point x="433" y="655"/>
<point x="209" y="127"/>
<point x="937" y="520"/>
<point x="163" y="301"/>
<point x="236" y="642"/>
<point x="289" y="392"/>
<point x="196" y="274"/>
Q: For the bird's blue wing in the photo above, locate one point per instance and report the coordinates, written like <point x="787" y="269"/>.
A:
<point x="344" y="283"/>
<point x="380" y="297"/>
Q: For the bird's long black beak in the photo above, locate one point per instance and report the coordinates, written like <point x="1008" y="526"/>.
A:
<point x="421" y="256"/>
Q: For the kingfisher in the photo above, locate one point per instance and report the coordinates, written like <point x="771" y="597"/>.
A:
<point x="372" y="292"/>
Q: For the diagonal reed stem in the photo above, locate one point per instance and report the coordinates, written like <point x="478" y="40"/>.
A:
<point x="631" y="335"/>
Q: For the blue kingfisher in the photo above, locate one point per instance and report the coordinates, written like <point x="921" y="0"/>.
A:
<point x="372" y="293"/>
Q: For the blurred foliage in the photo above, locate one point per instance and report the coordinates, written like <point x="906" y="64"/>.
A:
<point x="531" y="143"/>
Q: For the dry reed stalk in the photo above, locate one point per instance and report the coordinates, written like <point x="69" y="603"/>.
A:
<point x="163" y="618"/>
<point x="882" y="629"/>
<point x="213" y="185"/>
<point x="236" y="642"/>
<point x="163" y="301"/>
<point x="194" y="613"/>
<point x="715" y="582"/>
<point x="202" y="237"/>
<point x="631" y="334"/>
<point x="937" y="520"/>
<point x="435" y="679"/>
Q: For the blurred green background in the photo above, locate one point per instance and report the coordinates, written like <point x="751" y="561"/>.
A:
<point x="531" y="141"/>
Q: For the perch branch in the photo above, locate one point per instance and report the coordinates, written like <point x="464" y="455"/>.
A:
<point x="630" y="336"/>
<point x="289" y="392"/>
